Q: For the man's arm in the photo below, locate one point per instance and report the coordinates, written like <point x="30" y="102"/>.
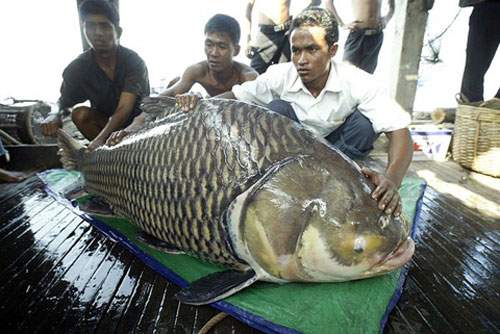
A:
<point x="384" y="20"/>
<point x="331" y="7"/>
<point x="117" y="136"/>
<point x="191" y="75"/>
<point x="400" y="156"/>
<point x="249" y="75"/>
<point x="116" y="121"/>
<point x="70" y="95"/>
<point x="248" y="23"/>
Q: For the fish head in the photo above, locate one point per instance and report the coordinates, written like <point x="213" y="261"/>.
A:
<point x="313" y="219"/>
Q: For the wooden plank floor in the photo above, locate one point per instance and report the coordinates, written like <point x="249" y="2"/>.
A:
<point x="60" y="275"/>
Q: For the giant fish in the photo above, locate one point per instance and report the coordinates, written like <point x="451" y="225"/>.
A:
<point x="241" y="186"/>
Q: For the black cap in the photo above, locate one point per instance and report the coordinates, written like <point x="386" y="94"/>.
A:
<point x="101" y="7"/>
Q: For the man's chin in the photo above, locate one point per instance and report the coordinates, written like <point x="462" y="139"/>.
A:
<point x="305" y="78"/>
<point x="102" y="48"/>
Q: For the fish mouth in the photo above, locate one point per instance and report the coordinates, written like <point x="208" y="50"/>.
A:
<point x="397" y="258"/>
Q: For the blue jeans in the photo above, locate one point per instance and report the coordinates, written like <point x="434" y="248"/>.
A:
<point x="355" y="137"/>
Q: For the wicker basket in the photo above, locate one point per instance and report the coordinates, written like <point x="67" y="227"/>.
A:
<point x="476" y="139"/>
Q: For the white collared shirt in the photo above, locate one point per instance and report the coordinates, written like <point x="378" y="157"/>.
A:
<point x="347" y="89"/>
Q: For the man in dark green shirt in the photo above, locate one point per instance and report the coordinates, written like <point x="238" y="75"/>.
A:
<point x="113" y="78"/>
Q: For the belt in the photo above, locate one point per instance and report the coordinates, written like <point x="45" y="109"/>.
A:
<point x="276" y="28"/>
<point x="373" y="31"/>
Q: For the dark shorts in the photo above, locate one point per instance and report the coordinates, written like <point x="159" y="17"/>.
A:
<point x="362" y="48"/>
<point x="271" y="47"/>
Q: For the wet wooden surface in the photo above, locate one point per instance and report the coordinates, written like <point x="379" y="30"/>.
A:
<point x="60" y="275"/>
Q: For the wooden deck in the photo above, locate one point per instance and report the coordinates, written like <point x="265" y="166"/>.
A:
<point x="59" y="274"/>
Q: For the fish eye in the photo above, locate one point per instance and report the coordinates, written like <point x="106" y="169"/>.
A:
<point x="358" y="249"/>
<point x="359" y="245"/>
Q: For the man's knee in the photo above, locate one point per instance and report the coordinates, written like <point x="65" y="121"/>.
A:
<point x="356" y="137"/>
<point x="360" y="126"/>
<point x="283" y="108"/>
<point x="81" y="115"/>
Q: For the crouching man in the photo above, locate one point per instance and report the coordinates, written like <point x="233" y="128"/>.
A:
<point x="337" y="101"/>
<point x="112" y="77"/>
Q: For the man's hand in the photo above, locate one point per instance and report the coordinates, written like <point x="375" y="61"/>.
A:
<point x="386" y="192"/>
<point x="382" y="23"/>
<point x="187" y="101"/>
<point x="116" y="137"/>
<point x="51" y="124"/>
<point x="97" y="142"/>
<point x="249" y="51"/>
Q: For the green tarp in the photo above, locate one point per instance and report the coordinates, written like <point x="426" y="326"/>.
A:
<point x="349" y="307"/>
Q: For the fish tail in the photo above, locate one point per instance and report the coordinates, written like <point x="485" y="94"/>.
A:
<point x="70" y="150"/>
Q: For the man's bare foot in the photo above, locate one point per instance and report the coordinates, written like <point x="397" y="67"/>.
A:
<point x="11" y="176"/>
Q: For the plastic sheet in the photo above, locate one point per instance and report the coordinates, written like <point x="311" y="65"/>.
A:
<point x="350" y="307"/>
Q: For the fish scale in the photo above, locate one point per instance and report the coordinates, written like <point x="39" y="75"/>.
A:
<point x="241" y="186"/>
<point x="213" y="154"/>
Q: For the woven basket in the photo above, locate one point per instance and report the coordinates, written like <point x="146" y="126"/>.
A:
<point x="476" y="139"/>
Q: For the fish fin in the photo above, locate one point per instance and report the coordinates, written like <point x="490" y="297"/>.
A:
<point x="216" y="286"/>
<point x="76" y="193"/>
<point x="158" y="244"/>
<point x="71" y="150"/>
<point x="96" y="206"/>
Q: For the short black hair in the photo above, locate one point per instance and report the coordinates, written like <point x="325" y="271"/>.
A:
<point x="315" y="16"/>
<point x="224" y="23"/>
<point x="101" y="7"/>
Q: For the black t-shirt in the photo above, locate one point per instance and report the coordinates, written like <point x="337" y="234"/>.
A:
<point x="83" y="80"/>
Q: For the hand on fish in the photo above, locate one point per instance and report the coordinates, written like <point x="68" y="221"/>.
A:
<point x="188" y="101"/>
<point x="97" y="142"/>
<point x="386" y="193"/>
<point x="116" y="137"/>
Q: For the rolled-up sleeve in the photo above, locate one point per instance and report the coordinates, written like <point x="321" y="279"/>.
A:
<point x="265" y="88"/>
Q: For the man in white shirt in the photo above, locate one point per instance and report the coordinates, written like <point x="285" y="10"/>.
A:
<point x="336" y="101"/>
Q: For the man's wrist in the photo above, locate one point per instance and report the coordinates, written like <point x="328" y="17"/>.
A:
<point x="394" y="177"/>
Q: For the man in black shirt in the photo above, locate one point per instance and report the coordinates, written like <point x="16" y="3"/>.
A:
<point x="112" y="77"/>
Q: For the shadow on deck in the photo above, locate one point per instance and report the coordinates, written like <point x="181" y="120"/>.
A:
<point x="59" y="274"/>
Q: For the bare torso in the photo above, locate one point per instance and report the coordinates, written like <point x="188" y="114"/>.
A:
<point x="273" y="12"/>
<point x="215" y="85"/>
<point x="367" y="12"/>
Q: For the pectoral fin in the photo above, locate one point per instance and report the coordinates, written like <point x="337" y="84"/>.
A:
<point x="96" y="206"/>
<point x="216" y="286"/>
<point x="158" y="244"/>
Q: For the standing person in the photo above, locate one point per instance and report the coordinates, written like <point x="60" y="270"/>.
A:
<point x="112" y="77"/>
<point x="482" y="44"/>
<point x="336" y="101"/>
<point x="366" y="32"/>
<point x="270" y="44"/>
<point x="217" y="74"/>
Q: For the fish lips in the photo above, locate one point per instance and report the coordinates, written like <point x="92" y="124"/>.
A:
<point x="397" y="258"/>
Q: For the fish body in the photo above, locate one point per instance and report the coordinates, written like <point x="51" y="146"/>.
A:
<point x="241" y="186"/>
